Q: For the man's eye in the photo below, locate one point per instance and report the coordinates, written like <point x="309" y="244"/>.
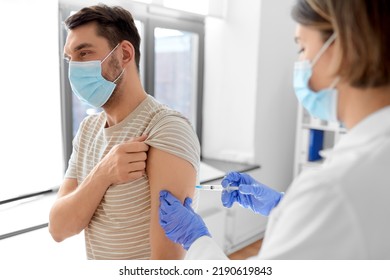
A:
<point x="82" y="54"/>
<point x="301" y="50"/>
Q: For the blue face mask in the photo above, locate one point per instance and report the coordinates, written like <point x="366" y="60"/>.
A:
<point x="321" y="104"/>
<point x="87" y="81"/>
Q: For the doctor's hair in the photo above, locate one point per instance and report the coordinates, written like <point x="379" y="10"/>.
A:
<point x="113" y="23"/>
<point x="363" y="36"/>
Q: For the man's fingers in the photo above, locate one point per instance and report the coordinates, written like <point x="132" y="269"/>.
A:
<point x="134" y="157"/>
<point x="136" y="166"/>
<point x="135" y="147"/>
<point x="139" y="138"/>
<point x="127" y="161"/>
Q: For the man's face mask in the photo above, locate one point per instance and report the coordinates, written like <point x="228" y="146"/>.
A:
<point x="87" y="81"/>
<point x="321" y="104"/>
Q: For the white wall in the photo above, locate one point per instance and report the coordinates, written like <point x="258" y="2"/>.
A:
<point x="231" y="63"/>
<point x="249" y="104"/>
<point x="276" y="104"/>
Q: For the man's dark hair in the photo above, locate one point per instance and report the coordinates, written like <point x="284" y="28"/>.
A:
<point x="113" y="23"/>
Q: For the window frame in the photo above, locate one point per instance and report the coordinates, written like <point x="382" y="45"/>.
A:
<point x="192" y="25"/>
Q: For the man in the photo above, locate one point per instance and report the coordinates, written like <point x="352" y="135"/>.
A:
<point x="111" y="188"/>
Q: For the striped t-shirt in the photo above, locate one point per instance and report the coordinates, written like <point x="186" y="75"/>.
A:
<point x="119" y="228"/>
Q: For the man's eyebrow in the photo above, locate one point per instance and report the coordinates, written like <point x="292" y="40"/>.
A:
<point x="297" y="39"/>
<point x="82" y="46"/>
<point x="77" y="48"/>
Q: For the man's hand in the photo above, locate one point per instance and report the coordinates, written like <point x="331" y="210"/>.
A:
<point x="125" y="162"/>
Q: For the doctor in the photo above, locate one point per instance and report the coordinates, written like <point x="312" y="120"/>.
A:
<point x="341" y="210"/>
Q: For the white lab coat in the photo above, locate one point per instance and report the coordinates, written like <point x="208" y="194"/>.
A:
<point x="339" y="211"/>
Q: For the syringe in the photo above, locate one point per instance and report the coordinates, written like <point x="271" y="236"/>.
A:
<point x="216" y="188"/>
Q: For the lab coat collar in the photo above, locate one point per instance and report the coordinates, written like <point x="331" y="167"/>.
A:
<point x="373" y="126"/>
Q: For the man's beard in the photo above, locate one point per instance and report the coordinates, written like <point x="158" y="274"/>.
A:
<point x="115" y="96"/>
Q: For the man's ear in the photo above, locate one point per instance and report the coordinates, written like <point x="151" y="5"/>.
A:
<point x="128" y="52"/>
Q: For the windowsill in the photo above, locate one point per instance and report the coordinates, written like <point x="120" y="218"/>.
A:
<point x="27" y="213"/>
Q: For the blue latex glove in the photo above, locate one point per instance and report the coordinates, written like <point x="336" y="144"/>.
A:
<point x="251" y="194"/>
<point x="180" y="223"/>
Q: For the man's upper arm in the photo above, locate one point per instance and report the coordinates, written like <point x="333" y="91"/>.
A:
<point x="172" y="173"/>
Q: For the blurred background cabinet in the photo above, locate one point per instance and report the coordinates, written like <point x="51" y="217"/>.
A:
<point x="314" y="139"/>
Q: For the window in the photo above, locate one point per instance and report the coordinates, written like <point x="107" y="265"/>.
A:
<point x="31" y="146"/>
<point x="31" y="152"/>
<point x="175" y="70"/>
<point x="175" y="59"/>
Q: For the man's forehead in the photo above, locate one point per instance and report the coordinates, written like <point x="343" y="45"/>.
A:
<point x="82" y="46"/>
<point x="84" y="37"/>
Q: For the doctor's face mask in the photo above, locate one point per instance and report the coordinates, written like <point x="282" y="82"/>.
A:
<point x="321" y="104"/>
<point x="87" y="81"/>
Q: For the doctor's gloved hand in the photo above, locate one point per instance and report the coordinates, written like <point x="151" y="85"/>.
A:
<point x="251" y="194"/>
<point x="180" y="223"/>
